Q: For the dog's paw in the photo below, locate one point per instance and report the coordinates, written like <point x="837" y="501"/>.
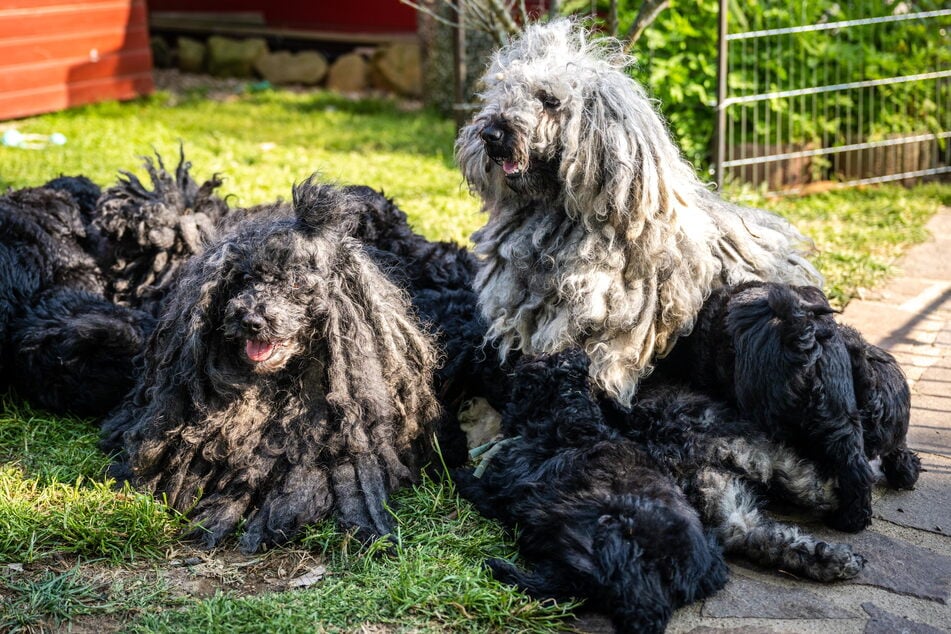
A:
<point x="504" y="571"/>
<point x="854" y="512"/>
<point x="902" y="469"/>
<point x="832" y="562"/>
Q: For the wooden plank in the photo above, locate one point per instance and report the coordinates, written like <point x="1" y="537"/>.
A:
<point x="34" y="76"/>
<point x="307" y="35"/>
<point x="22" y="6"/>
<point x="52" y="98"/>
<point x="14" y="52"/>
<point x="70" y="20"/>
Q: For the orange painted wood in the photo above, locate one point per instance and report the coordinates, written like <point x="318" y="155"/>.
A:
<point x="60" y="53"/>
<point x="34" y="76"/>
<point x="71" y="18"/>
<point x="21" y="51"/>
<point x="61" y="96"/>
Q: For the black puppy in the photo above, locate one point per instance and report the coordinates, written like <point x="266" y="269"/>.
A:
<point x="149" y="233"/>
<point x="62" y="344"/>
<point x="596" y="517"/>
<point x="778" y="355"/>
<point x="593" y="491"/>
<point x="73" y="351"/>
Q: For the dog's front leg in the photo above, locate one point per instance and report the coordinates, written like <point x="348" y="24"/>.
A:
<point x="730" y="507"/>
<point x="845" y="452"/>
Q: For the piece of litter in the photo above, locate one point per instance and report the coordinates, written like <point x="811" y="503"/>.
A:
<point x="308" y="578"/>
<point x="15" y="567"/>
<point x="24" y="141"/>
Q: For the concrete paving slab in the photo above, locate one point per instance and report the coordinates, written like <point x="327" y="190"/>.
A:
<point x="929" y="433"/>
<point x="928" y="506"/>
<point x="882" y="622"/>
<point x="930" y="260"/>
<point x="751" y="598"/>
<point x="897" y="566"/>
<point x="748" y="629"/>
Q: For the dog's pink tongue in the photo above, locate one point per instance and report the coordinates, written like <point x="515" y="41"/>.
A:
<point x="509" y="167"/>
<point x="258" y="350"/>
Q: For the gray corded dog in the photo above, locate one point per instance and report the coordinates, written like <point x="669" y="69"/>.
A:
<point x="599" y="232"/>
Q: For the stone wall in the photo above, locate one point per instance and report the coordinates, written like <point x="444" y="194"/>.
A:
<point x="394" y="67"/>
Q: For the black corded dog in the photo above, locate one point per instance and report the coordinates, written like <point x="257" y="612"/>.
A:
<point x="776" y="353"/>
<point x="286" y="379"/>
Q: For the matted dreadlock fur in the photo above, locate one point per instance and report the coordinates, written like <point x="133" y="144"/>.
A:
<point x="599" y="233"/>
<point x="286" y="379"/>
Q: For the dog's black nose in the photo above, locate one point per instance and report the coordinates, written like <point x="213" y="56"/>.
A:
<point x="253" y="323"/>
<point x="492" y="133"/>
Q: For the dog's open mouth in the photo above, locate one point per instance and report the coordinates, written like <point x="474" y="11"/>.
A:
<point x="260" y="351"/>
<point x="511" y="168"/>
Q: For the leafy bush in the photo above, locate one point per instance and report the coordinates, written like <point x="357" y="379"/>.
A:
<point x="677" y="61"/>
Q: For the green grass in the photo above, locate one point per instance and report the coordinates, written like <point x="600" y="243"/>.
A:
<point x="860" y="234"/>
<point x="55" y="501"/>
<point x="50" y="600"/>
<point x="430" y="578"/>
<point x="262" y="143"/>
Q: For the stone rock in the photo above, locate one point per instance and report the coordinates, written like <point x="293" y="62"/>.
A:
<point x="234" y="58"/>
<point x="925" y="508"/>
<point x="882" y="622"/>
<point x="397" y="67"/>
<point x="743" y="629"/>
<point x="161" y="52"/>
<point x="284" y="67"/>
<point x="748" y="598"/>
<point x="902" y="568"/>
<point x="348" y="74"/>
<point x="191" y="55"/>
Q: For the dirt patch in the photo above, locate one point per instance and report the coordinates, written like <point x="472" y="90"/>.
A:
<point x="114" y="595"/>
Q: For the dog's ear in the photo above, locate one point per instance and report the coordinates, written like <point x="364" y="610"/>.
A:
<point x="321" y="207"/>
<point x="618" y="163"/>
<point x="380" y="363"/>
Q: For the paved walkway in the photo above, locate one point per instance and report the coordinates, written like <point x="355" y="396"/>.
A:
<point x="906" y="585"/>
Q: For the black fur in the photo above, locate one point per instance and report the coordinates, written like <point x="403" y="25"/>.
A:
<point x="285" y="380"/>
<point x="776" y="352"/>
<point x="66" y="348"/>
<point x="150" y="233"/>
<point x="73" y="351"/>
<point x="596" y="517"/>
<point x="438" y="276"/>
<point x="593" y="491"/>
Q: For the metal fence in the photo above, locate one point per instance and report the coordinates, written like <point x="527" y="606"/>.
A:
<point x="828" y="94"/>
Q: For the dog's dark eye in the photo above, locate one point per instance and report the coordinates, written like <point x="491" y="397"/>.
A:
<point x="549" y="102"/>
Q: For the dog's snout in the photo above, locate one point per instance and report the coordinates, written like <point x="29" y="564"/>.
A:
<point x="492" y="133"/>
<point x="253" y="323"/>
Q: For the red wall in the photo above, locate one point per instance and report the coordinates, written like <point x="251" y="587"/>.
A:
<point x="375" y="16"/>
<point x="55" y="54"/>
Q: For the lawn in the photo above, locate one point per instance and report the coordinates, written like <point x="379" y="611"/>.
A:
<point x="74" y="550"/>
